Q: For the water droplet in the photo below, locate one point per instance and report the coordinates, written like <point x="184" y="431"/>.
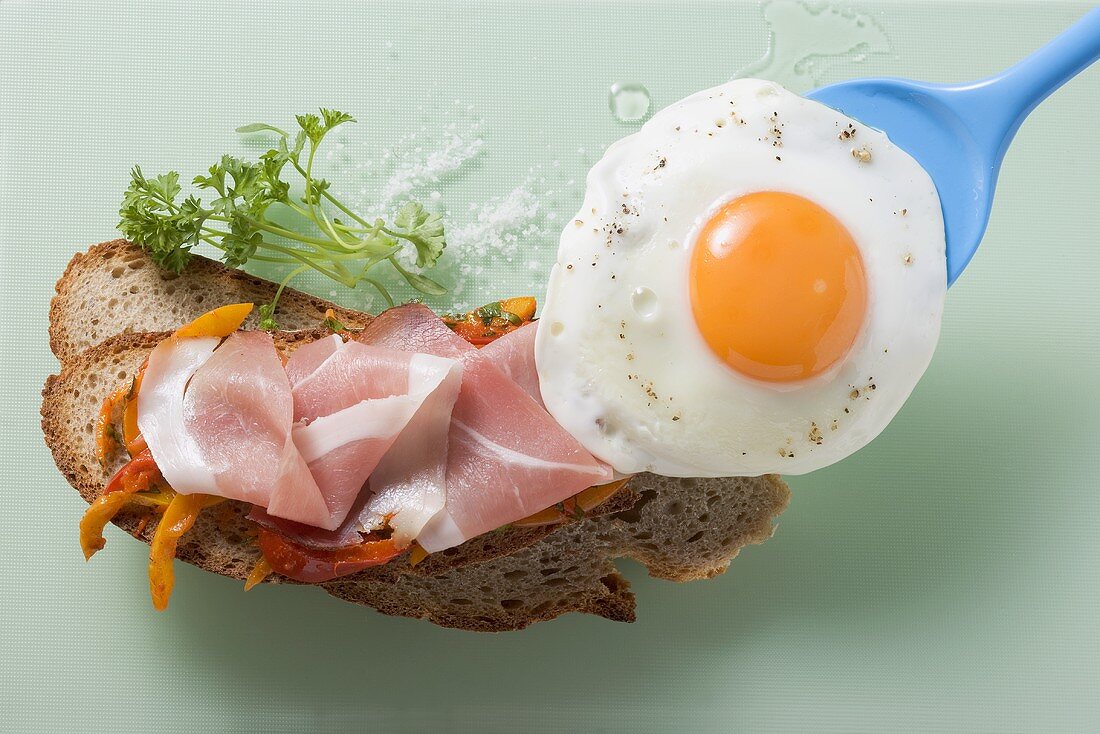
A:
<point x="806" y="39"/>
<point x="644" y="302"/>
<point x="629" y="101"/>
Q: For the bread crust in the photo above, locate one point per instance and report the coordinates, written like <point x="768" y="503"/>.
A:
<point x="92" y="304"/>
<point x="680" y="529"/>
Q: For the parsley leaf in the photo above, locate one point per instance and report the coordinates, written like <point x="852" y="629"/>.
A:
<point x="267" y="317"/>
<point x="257" y="127"/>
<point x="424" y="230"/>
<point x="488" y="312"/>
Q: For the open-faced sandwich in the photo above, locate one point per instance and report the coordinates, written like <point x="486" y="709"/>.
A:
<point x="555" y="559"/>
<point x="739" y="295"/>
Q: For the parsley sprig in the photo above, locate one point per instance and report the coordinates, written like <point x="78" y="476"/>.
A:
<point x="239" y="221"/>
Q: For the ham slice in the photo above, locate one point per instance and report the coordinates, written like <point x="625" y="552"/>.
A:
<point x="514" y="354"/>
<point x="506" y="458"/>
<point x="351" y="403"/>
<point x="409" y="485"/>
<point x="218" y="419"/>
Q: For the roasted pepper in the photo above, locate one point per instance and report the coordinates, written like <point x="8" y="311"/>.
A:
<point x="259" y="572"/>
<point x="179" y="511"/>
<point x="181" y="514"/>
<point x="131" y="434"/>
<point x="575" y="506"/>
<point x="311" y="565"/>
<point x="106" y="438"/>
<point x="493" y="320"/>
<point x="221" y="321"/>
<point x="135" y="476"/>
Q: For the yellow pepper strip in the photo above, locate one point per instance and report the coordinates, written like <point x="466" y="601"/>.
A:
<point x="417" y="554"/>
<point x="104" y="427"/>
<point x="522" y="306"/>
<point x="136" y="476"/>
<point x="142" y="523"/>
<point x="259" y="572"/>
<point x="157" y="501"/>
<point x="96" y="518"/>
<point x="136" y="446"/>
<point x="596" y="496"/>
<point x="177" y="520"/>
<point x="130" y="430"/>
<point x="219" y="322"/>
<point x="575" y="506"/>
<point x="549" y="516"/>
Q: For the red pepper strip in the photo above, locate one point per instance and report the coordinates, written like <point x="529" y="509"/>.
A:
<point x="313" y="566"/>
<point x="135" y="476"/>
<point x="476" y="332"/>
<point x="479" y="328"/>
<point x="181" y="514"/>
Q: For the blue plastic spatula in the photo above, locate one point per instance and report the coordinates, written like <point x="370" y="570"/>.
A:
<point x="960" y="132"/>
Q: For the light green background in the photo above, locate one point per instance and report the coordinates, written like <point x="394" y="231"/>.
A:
<point x="945" y="578"/>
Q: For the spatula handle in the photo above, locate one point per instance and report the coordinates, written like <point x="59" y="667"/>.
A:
<point x="1021" y="87"/>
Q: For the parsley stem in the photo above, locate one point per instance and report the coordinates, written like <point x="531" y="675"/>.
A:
<point x="259" y="224"/>
<point x="336" y="203"/>
<point x="289" y="276"/>
<point x="262" y="258"/>
<point x="309" y="178"/>
<point x="298" y="209"/>
<point x="393" y="233"/>
<point x="380" y="252"/>
<point x="381" y="289"/>
<point x="332" y="199"/>
<point x="326" y="224"/>
<point x="292" y="255"/>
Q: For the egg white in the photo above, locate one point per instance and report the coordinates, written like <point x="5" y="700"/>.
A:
<point x="621" y="363"/>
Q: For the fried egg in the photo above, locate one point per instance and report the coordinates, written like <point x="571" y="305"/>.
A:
<point x="753" y="284"/>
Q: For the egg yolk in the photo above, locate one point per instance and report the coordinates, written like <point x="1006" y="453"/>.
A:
<point x="777" y="286"/>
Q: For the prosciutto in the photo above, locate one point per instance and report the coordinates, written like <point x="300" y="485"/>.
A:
<point x="506" y="456"/>
<point x="514" y="354"/>
<point x="218" y="419"/>
<point x="352" y="403"/>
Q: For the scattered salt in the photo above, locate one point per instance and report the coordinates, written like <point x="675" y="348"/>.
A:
<point x="417" y="166"/>
<point x="506" y="242"/>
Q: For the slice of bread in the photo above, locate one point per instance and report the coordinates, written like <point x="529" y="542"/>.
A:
<point x="114" y="288"/>
<point x="680" y="529"/>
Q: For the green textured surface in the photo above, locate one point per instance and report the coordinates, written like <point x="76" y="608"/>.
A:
<point x="945" y="578"/>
